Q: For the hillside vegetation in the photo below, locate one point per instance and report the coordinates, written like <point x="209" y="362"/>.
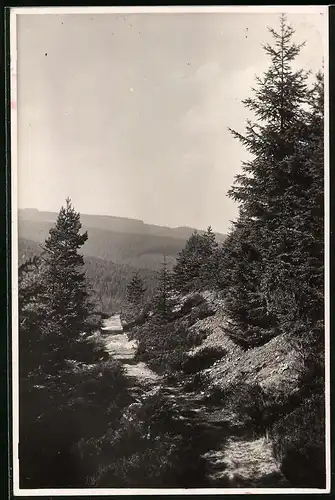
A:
<point x="269" y="394"/>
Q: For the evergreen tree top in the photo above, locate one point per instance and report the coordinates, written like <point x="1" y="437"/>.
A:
<point x="278" y="98"/>
<point x="66" y="235"/>
<point x="135" y="289"/>
<point x="281" y="103"/>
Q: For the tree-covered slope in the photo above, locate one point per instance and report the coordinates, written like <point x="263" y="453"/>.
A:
<point x="138" y="250"/>
<point x="108" y="281"/>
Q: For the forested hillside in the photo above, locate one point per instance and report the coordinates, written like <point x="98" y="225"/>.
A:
<point x="107" y="281"/>
<point x="133" y="243"/>
<point x="138" y="250"/>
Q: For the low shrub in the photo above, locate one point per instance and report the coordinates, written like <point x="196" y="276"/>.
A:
<point x="203" y="359"/>
<point x="195" y="382"/>
<point x="205" y="311"/>
<point x="259" y="408"/>
<point x="196" y="337"/>
<point x="191" y="302"/>
<point x="164" y="345"/>
<point x="216" y="396"/>
<point x="153" y="462"/>
<point x="299" y="444"/>
<point x="143" y="468"/>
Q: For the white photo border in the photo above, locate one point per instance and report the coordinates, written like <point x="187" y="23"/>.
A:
<point x="322" y="9"/>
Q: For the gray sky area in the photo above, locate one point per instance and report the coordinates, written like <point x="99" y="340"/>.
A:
<point x="128" y="114"/>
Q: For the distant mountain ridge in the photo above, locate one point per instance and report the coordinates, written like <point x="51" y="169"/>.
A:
<point x="116" y="224"/>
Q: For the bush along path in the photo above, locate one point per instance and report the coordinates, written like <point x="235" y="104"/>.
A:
<point x="217" y="446"/>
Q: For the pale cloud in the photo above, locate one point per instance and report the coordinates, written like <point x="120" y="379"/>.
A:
<point x="208" y="72"/>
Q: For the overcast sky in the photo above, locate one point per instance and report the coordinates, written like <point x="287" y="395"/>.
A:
<point x="128" y="114"/>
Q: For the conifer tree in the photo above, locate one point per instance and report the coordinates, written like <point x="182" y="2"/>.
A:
<point x="31" y="318"/>
<point x="188" y="266"/>
<point x="67" y="307"/>
<point x="197" y="263"/>
<point x="251" y="323"/>
<point x="209" y="268"/>
<point x="135" y="290"/>
<point x="295" y="261"/>
<point x="269" y="195"/>
<point x="273" y="138"/>
<point x="163" y="299"/>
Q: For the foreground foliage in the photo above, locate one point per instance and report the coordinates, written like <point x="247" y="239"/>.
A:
<point x="149" y="450"/>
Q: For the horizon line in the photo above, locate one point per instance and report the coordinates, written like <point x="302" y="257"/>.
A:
<point x="130" y="218"/>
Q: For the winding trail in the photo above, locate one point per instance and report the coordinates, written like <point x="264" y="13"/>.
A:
<point x="120" y="347"/>
<point x="232" y="461"/>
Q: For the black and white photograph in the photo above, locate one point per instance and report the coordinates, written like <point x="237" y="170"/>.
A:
<point x="170" y="191"/>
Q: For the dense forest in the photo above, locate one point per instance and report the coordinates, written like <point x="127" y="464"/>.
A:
<point x="106" y="280"/>
<point x="267" y="280"/>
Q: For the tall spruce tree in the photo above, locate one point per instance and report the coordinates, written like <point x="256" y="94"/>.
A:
<point x="188" y="266"/>
<point x="197" y="263"/>
<point x="294" y="261"/>
<point x="209" y="266"/>
<point x="68" y="312"/>
<point x="261" y="252"/>
<point x="163" y="299"/>
<point x="272" y="140"/>
<point x="135" y="291"/>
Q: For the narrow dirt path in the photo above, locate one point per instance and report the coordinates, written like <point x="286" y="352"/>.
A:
<point x="120" y="347"/>
<point x="232" y="460"/>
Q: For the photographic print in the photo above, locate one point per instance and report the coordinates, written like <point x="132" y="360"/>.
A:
<point x="169" y="250"/>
